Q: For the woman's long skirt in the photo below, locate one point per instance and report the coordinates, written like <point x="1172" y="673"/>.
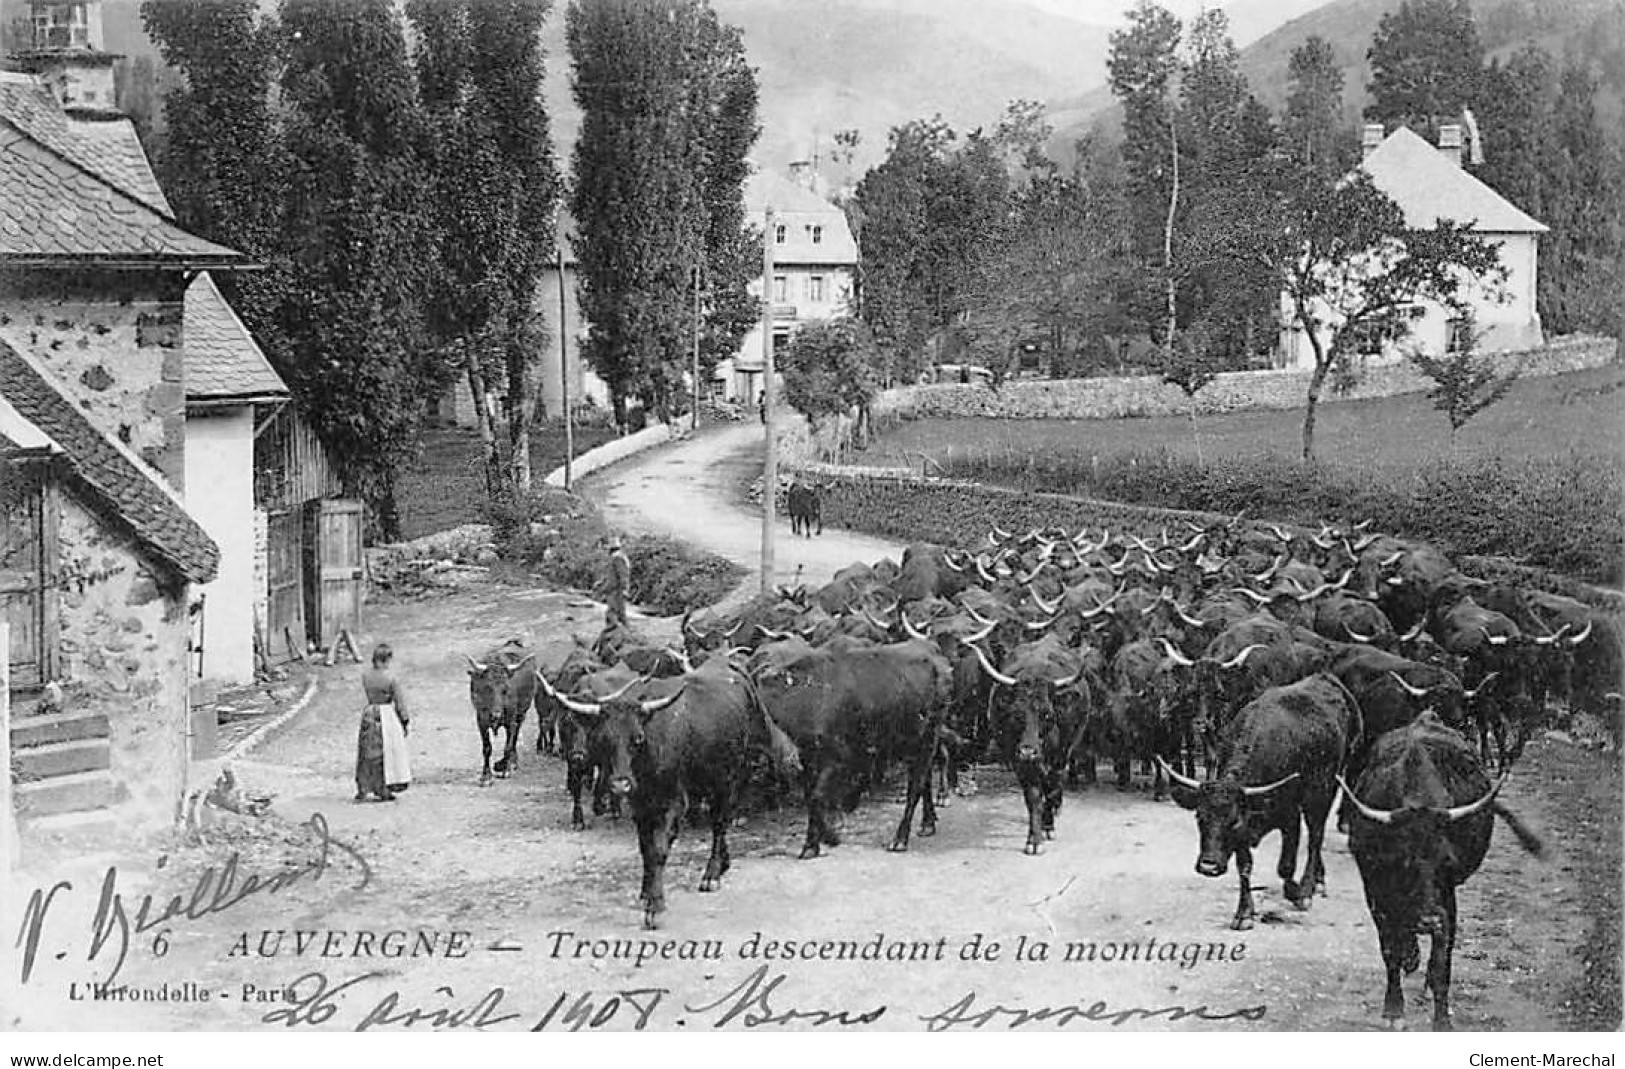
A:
<point x="369" y="755"/>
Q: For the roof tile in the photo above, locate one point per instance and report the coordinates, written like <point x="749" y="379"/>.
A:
<point x="222" y="359"/>
<point x="1428" y="187"/>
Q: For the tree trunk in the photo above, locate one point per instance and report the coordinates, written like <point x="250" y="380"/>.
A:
<point x="521" y="409"/>
<point x="1196" y="431"/>
<point x="386" y="510"/>
<point x="1168" y="240"/>
<point x="495" y="483"/>
<point x="1316" y="381"/>
<point x="617" y="406"/>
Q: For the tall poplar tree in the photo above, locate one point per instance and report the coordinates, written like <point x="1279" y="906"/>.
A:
<point x="1313" y="131"/>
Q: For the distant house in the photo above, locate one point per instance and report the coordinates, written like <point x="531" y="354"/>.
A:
<point x="1429" y="184"/>
<point x="815" y="262"/>
<point x="102" y="560"/>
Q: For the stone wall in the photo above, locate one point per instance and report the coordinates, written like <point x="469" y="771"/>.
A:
<point x="114" y="343"/>
<point x="618" y="449"/>
<point x="122" y="652"/>
<point x="1148" y="395"/>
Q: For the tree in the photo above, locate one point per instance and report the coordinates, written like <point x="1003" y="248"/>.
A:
<point x="1426" y="60"/>
<point x="1465" y="382"/>
<point x="1312" y="128"/>
<point x="480" y="69"/>
<point x="1354" y="276"/>
<point x="829" y="369"/>
<point x="668" y="115"/>
<point x="1580" y="259"/>
<point x="1191" y="363"/>
<point x="1142" y="63"/>
<point x="361" y="242"/>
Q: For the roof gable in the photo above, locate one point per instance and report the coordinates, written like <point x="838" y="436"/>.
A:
<point x="798" y="210"/>
<point x="1428" y="187"/>
<point x="109" y="470"/>
<point x="223" y="362"/>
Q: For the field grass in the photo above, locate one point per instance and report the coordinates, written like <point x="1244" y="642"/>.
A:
<point x="445" y="486"/>
<point x="1581" y="413"/>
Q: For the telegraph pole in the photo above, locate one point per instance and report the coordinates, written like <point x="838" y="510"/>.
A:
<point x="770" y="467"/>
<point x="694" y="371"/>
<point x="564" y="370"/>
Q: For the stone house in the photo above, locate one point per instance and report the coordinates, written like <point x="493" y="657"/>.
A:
<point x="102" y="559"/>
<point x="1429" y="183"/>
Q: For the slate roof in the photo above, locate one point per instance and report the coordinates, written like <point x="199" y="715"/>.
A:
<point x="223" y="363"/>
<point x="109" y="470"/>
<point x="796" y="208"/>
<point x="1428" y="187"/>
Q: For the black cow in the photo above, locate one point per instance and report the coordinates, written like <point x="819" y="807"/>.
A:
<point x="1284" y="749"/>
<point x="850" y="708"/>
<point x="583" y="741"/>
<point x="699" y="740"/>
<point x="1039" y="720"/>
<point x="805" y="506"/>
<point x="1423" y="818"/>
<point x="502" y="687"/>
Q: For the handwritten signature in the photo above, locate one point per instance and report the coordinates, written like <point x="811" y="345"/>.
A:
<point x="217" y="890"/>
<point x="966" y="1013"/>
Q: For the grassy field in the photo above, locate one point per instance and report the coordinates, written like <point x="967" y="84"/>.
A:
<point x="445" y="486"/>
<point x="1582" y="413"/>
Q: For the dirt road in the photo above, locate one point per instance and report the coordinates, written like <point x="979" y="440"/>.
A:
<point x="550" y="920"/>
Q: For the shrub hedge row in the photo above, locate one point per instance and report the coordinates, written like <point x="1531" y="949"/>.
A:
<point x="1559" y="514"/>
<point x="562" y="537"/>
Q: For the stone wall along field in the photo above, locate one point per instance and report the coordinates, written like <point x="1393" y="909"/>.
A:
<point x="1234" y="391"/>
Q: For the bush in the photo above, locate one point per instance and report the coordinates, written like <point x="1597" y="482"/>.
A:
<point x="1561" y="512"/>
<point x="562" y="537"/>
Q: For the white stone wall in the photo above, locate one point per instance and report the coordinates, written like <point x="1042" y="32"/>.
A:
<point x="220" y="496"/>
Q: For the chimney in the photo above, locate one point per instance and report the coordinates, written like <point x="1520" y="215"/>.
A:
<point x="67" y="54"/>
<point x="1370" y="138"/>
<point x="1450" y="142"/>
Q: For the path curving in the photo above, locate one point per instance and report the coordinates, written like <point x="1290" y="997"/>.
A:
<point x="686" y="491"/>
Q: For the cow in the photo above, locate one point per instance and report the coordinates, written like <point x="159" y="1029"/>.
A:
<point x="502" y="687"/>
<point x="549" y="713"/>
<point x="1423" y="813"/>
<point x="1284" y="750"/>
<point x="848" y="708"/>
<point x="802" y="502"/>
<point x="699" y="740"/>
<point x="1039" y="723"/>
<point x="1145" y="691"/>
<point x="582" y="741"/>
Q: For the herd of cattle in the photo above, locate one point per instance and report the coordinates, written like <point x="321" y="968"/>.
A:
<point x="1291" y="666"/>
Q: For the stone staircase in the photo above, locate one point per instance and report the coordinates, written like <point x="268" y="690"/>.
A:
<point x="60" y="760"/>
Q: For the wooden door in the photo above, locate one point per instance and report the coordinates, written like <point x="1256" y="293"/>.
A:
<point x="336" y="576"/>
<point x="284" y="581"/>
<point x="26" y="534"/>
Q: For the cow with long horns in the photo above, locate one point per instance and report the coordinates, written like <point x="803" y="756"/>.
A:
<point x="1285" y="748"/>
<point x="502" y="688"/>
<point x="1424" y="813"/>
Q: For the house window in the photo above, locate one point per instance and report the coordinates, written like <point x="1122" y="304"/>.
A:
<point x="1458" y="335"/>
<point x="27" y="561"/>
<point x="817" y="234"/>
<point x="61" y="26"/>
<point x="815" y="288"/>
<point x="779" y="232"/>
<point x="781" y="289"/>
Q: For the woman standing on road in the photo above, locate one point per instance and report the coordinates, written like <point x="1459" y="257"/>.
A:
<point x="382" y="765"/>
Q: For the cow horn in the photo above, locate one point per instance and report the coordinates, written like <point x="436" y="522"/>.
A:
<point x="1141" y="543"/>
<point x="908" y="626"/>
<point x="1253" y="594"/>
<point x="1497" y="640"/>
<point x="1413" y="633"/>
<point x="1046" y="606"/>
<point x="1196" y="527"/>
<point x="1357" y="636"/>
<point x="1344" y="581"/>
<point x="980" y="635"/>
<point x="1550" y="640"/>
<point x="1280" y="535"/>
<point x="1472" y="695"/>
<point x="1415" y="692"/>
<point x="660" y="703"/>
<point x="1264" y="576"/>
<point x="1042" y="624"/>
<point x="1254" y="792"/>
<point x="1179" y="778"/>
<point x="1394" y="580"/>
<point x="1392" y="559"/>
<point x="687" y="626"/>
<point x="1190" y="621"/>
<point x="993" y="673"/>
<point x="1195" y="541"/>
<point x="1381" y="816"/>
<point x="611" y="697"/>
<point x="948" y="559"/>
<point x="978" y="617"/>
<point x="1311" y="595"/>
<point x="1582" y="636"/>
<point x="474" y="666"/>
<point x="1241" y="658"/>
<point x="1461" y="812"/>
<point x="1363" y="524"/>
<point x="734" y="630"/>
<point x="981" y="570"/>
<point x="582" y="708"/>
<point x="1067" y="681"/>
<point x="1002" y="535"/>
<point x="768" y="632"/>
<point x="881" y="624"/>
<point x="1362" y="542"/>
<point x="1174" y="655"/>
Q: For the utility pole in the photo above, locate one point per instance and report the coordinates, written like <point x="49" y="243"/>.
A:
<point x="770" y="466"/>
<point x="564" y="369"/>
<point x="694" y="370"/>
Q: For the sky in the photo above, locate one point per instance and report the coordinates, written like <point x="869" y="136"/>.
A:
<point x="1110" y="12"/>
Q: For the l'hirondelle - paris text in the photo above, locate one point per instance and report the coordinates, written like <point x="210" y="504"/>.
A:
<point x="362" y="943"/>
